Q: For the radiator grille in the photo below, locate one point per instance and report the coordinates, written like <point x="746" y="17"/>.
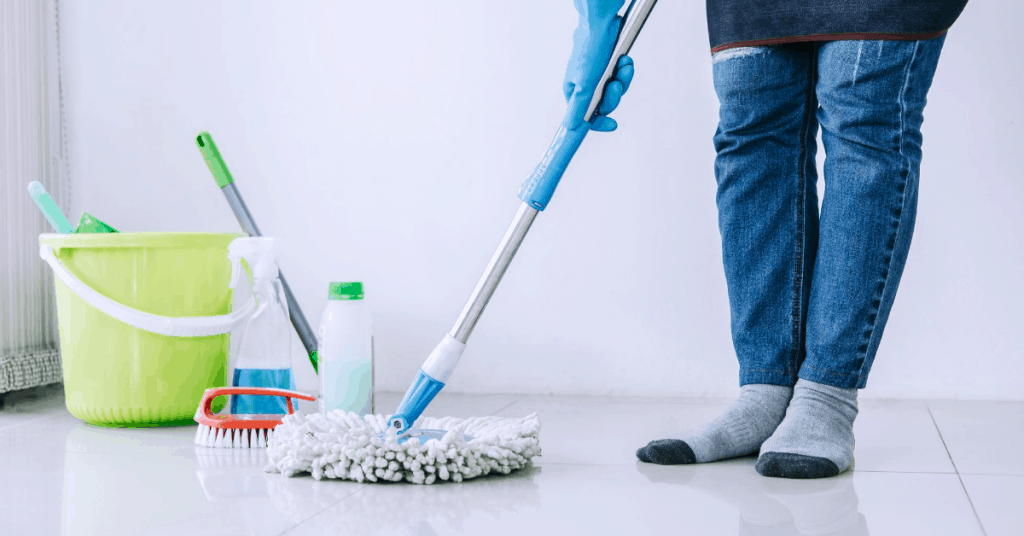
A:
<point x="31" y="148"/>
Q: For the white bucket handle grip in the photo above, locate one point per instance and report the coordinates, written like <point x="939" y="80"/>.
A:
<point x="182" y="326"/>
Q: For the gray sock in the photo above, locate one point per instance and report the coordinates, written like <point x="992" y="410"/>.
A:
<point x="737" y="432"/>
<point x="815" y="440"/>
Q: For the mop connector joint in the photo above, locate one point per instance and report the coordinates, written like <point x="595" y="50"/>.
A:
<point x="422" y="391"/>
<point x="429" y="381"/>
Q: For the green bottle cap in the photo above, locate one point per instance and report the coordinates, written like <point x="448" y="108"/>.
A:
<point x="345" y="291"/>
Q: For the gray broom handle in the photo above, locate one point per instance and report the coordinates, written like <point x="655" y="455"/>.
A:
<point x="294" y="311"/>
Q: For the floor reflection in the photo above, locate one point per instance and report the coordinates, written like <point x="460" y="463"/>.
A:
<point x="73" y="478"/>
<point x="771" y="506"/>
<point x="227" y="474"/>
<point x="415" y="510"/>
<point x="154" y="481"/>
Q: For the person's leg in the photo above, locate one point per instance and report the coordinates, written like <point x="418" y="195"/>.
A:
<point x="768" y="216"/>
<point x="872" y="97"/>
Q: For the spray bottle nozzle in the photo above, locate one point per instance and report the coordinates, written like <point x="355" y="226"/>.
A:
<point x="258" y="253"/>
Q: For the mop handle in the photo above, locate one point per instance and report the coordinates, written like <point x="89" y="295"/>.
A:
<point x="535" y="193"/>
<point x="636" y="16"/>
<point x="227" y="185"/>
<point x="298" y="319"/>
<point x="537" y="189"/>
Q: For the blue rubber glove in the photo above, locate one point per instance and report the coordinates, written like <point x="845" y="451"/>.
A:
<point x="592" y="47"/>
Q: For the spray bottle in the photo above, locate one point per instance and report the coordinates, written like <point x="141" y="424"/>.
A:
<point x="263" y="354"/>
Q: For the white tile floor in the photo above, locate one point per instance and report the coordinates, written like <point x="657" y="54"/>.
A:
<point x="929" y="468"/>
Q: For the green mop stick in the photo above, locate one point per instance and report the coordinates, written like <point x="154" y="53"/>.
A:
<point x="227" y="185"/>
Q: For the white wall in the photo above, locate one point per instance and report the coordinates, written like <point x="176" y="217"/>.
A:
<point x="387" y="145"/>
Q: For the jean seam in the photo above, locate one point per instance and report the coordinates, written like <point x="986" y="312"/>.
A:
<point x="799" y="307"/>
<point x="857" y="375"/>
<point x="870" y="333"/>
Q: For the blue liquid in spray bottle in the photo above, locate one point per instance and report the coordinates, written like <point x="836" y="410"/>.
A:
<point x="275" y="378"/>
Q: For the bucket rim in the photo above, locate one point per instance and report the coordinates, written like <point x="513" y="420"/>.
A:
<point x="146" y="239"/>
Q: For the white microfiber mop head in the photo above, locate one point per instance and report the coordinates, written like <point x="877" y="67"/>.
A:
<point x="346" y="446"/>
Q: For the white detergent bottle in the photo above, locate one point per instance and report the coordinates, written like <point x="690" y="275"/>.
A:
<point x="345" y="351"/>
<point x="263" y="354"/>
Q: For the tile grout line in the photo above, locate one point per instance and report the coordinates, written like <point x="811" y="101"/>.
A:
<point x="328" y="507"/>
<point x="958" y="475"/>
<point x="506" y="406"/>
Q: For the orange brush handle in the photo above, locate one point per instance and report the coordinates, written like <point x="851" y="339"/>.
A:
<point x="206" y="416"/>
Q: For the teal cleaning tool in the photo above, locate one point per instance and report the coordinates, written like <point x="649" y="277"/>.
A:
<point x="49" y="208"/>
<point x="227" y="185"/>
<point x="92" y="224"/>
<point x="535" y="193"/>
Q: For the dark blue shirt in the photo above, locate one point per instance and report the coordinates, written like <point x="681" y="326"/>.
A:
<point x="735" y="23"/>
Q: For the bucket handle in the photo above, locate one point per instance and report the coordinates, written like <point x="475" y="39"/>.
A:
<point x="181" y="326"/>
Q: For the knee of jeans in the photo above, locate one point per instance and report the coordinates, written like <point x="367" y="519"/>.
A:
<point x="879" y="127"/>
<point x="738" y="52"/>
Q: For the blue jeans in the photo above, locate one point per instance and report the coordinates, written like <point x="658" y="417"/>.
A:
<point x="810" y="295"/>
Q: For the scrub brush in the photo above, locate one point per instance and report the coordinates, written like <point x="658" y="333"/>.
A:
<point x="240" y="431"/>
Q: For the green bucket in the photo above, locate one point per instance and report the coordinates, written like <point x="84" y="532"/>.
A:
<point x="143" y="321"/>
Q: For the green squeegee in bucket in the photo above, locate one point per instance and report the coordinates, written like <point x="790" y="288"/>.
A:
<point x="92" y="224"/>
<point x="227" y="185"/>
<point x="535" y="193"/>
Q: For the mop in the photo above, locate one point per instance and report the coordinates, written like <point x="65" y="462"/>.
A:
<point x="344" y="445"/>
<point x="375" y="448"/>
